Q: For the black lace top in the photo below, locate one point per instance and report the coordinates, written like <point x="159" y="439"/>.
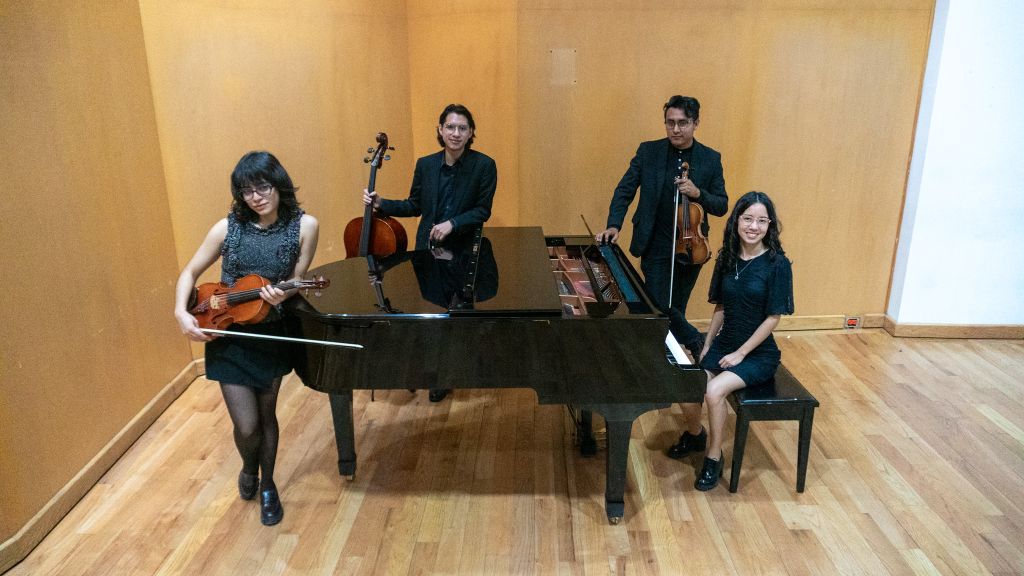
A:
<point x="270" y="252"/>
<point x="751" y="292"/>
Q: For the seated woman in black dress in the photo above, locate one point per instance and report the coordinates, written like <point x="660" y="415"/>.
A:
<point x="752" y="286"/>
<point x="267" y="234"/>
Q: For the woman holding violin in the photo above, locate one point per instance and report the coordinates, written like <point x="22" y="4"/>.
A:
<point x="267" y="234"/>
<point x="751" y="287"/>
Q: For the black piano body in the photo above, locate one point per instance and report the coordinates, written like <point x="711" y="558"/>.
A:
<point x="512" y="309"/>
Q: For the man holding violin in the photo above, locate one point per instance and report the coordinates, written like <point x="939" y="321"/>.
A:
<point x="656" y="170"/>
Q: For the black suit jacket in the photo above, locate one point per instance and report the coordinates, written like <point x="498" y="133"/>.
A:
<point x="647" y="170"/>
<point x="473" y="190"/>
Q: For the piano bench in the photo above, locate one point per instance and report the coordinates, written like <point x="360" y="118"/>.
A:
<point x="783" y="399"/>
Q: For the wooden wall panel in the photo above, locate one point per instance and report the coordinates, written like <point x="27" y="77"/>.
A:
<point x="311" y="84"/>
<point x="466" y="54"/>
<point x="809" y="102"/>
<point x="813" y="105"/>
<point x="86" y="339"/>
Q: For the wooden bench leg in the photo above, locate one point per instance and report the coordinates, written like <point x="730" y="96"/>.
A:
<point x="805" y="447"/>
<point x="739" y="443"/>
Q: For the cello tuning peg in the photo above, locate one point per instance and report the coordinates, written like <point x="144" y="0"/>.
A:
<point x="387" y="157"/>
<point x="391" y="147"/>
<point x="369" y="150"/>
<point x="366" y="160"/>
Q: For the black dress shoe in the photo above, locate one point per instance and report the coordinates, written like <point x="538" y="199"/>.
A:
<point x="248" y="485"/>
<point x="271" y="511"/>
<point x="438" y="395"/>
<point x="688" y="443"/>
<point x="709" y="474"/>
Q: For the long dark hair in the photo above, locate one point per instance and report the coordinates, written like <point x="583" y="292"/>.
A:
<point x="729" y="253"/>
<point x="256" y="168"/>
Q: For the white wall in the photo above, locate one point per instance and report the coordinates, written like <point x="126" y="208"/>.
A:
<point x="960" y="258"/>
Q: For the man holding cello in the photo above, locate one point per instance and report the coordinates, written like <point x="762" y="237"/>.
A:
<point x="452" y="190"/>
<point x="659" y="169"/>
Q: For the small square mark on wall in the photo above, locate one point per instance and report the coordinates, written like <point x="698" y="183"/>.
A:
<point x="563" y="67"/>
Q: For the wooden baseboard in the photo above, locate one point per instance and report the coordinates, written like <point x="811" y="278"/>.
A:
<point x="828" y="322"/>
<point x="989" y="331"/>
<point x="16" y="548"/>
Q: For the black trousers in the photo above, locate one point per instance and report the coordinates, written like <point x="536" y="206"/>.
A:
<point x="656" y="270"/>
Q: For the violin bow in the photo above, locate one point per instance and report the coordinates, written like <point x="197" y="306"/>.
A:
<point x="284" y="338"/>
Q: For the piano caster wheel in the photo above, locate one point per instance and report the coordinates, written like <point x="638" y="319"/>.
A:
<point x="351" y="478"/>
<point x="614" y="519"/>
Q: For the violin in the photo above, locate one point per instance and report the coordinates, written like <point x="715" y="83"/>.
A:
<point x="375" y="235"/>
<point x="217" y="305"/>
<point x="690" y="240"/>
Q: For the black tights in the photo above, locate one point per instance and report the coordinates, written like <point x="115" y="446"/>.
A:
<point x="254" y="414"/>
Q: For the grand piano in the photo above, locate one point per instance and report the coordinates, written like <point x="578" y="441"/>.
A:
<point x="510" y="308"/>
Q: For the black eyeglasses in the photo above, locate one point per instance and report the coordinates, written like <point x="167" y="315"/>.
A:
<point x="262" y="189"/>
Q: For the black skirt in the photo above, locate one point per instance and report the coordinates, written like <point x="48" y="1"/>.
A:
<point x="253" y="362"/>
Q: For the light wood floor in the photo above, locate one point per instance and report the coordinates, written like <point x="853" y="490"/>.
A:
<point x="916" y="467"/>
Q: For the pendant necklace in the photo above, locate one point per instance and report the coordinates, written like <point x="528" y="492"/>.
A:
<point x="738" y="271"/>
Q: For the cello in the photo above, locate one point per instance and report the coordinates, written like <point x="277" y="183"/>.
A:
<point x="690" y="240"/>
<point x="375" y="235"/>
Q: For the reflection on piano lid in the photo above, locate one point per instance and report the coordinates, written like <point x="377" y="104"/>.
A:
<point x="569" y="320"/>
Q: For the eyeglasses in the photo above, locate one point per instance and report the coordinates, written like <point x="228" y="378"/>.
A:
<point x="682" y="124"/>
<point x="453" y="128"/>
<point x="761" y="222"/>
<point x="262" y="189"/>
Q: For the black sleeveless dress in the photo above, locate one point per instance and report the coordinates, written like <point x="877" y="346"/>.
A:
<point x="753" y="291"/>
<point x="272" y="253"/>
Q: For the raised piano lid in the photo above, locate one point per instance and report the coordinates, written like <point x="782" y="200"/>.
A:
<point x="513" y="278"/>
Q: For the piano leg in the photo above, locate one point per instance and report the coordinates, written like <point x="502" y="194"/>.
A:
<point x="344" y="433"/>
<point x="618" y="459"/>
<point x="585" y="431"/>
<point x="619" y="424"/>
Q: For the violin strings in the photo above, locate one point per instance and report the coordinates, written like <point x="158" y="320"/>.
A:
<point x="246" y="295"/>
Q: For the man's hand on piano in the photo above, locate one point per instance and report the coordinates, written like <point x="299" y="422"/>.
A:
<point x="441" y="231"/>
<point x="609" y="236"/>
